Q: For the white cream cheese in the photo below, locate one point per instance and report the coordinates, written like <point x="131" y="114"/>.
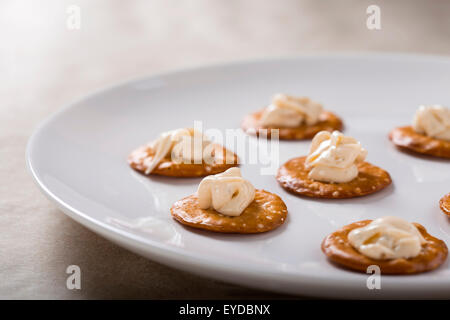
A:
<point x="433" y="121"/>
<point x="226" y="192"/>
<point x="289" y="111"/>
<point x="184" y="145"/>
<point x="333" y="157"/>
<point x="387" y="238"/>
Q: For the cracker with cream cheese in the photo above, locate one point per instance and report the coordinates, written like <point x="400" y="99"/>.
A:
<point x="327" y="122"/>
<point x="167" y="167"/>
<point x="266" y="212"/>
<point x="444" y="204"/>
<point x="293" y="177"/>
<point x="407" y="139"/>
<point x="338" y="250"/>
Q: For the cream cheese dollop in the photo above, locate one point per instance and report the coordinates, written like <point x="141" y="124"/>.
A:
<point x="184" y="145"/>
<point x="387" y="238"/>
<point x="333" y="157"/>
<point x="433" y="121"/>
<point x="289" y="111"/>
<point x="227" y="192"/>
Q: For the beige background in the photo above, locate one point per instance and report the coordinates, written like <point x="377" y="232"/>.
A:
<point x="43" y="66"/>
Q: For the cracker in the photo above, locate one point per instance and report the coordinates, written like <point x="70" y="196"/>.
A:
<point x="293" y="176"/>
<point x="339" y="250"/>
<point x="407" y="138"/>
<point x="265" y="213"/>
<point x="444" y="204"/>
<point x="327" y="121"/>
<point x="169" y="168"/>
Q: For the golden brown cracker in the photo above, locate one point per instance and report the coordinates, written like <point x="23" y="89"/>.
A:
<point x="293" y="176"/>
<point x="407" y="138"/>
<point x="266" y="212"/>
<point x="172" y="169"/>
<point x="327" y="121"/>
<point x="444" y="204"/>
<point x="339" y="250"/>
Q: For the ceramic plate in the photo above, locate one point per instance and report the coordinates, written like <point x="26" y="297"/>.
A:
<point x="78" y="158"/>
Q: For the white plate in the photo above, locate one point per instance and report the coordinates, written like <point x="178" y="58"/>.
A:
<point x="78" y="158"/>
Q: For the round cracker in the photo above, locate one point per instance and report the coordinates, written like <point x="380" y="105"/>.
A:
<point x="265" y="213"/>
<point x="293" y="176"/>
<point x="185" y="170"/>
<point x="407" y="138"/>
<point x="338" y="249"/>
<point x="327" y="122"/>
<point x="444" y="204"/>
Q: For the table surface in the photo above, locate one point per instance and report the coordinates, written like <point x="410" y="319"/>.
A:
<point x="46" y="65"/>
